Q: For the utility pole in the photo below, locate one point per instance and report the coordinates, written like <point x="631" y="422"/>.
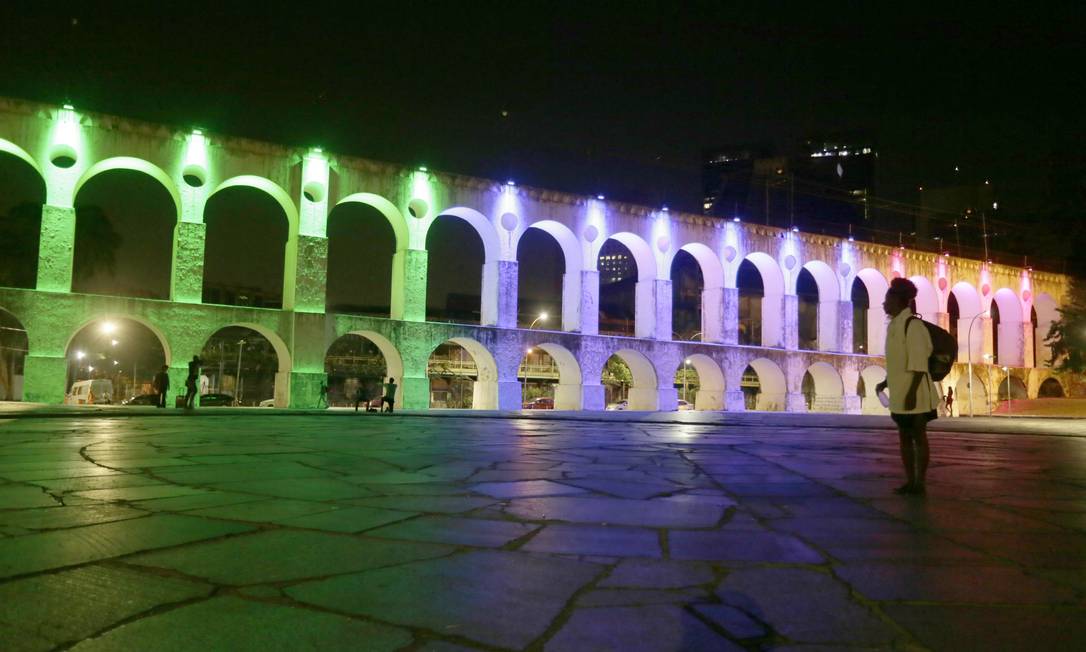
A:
<point x="237" y="379"/>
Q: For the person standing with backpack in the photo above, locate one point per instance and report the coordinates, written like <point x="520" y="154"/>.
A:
<point x="913" y="395"/>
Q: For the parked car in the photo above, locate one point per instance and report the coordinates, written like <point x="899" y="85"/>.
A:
<point x="142" y="399"/>
<point x="539" y="403"/>
<point x="621" y="405"/>
<point x="216" y="400"/>
<point x="268" y="402"/>
<point x="91" y="392"/>
<point x="684" y="406"/>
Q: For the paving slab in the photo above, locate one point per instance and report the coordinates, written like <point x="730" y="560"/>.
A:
<point x="476" y="532"/>
<point x="741" y="545"/>
<point x="665" y="513"/>
<point x="230" y="623"/>
<point x="50" y="518"/>
<point x="615" y="541"/>
<point x="497" y="598"/>
<point x="977" y="585"/>
<point x="637" y="629"/>
<point x="282" y="555"/>
<point x="647" y="573"/>
<point x="348" y="519"/>
<point x="526" y="488"/>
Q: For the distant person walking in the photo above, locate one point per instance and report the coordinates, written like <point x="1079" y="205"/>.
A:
<point x="161" y="385"/>
<point x="950" y="401"/>
<point x="389" y="398"/>
<point x="360" y="397"/>
<point x="190" y="382"/>
<point x="913" y="396"/>
<point x="322" y="399"/>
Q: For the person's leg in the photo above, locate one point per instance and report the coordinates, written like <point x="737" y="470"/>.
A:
<point x="922" y="456"/>
<point x="908" y="457"/>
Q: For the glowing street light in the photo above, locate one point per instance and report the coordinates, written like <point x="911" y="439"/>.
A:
<point x="108" y="328"/>
<point x="542" y="317"/>
<point x="113" y="342"/>
<point x="79" y="355"/>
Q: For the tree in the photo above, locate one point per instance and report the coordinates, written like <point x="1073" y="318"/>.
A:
<point x="1067" y="336"/>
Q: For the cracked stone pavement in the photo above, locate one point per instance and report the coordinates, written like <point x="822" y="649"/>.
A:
<point x="248" y="532"/>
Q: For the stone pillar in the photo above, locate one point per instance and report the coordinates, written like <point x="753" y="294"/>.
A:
<point x="852" y="404"/>
<point x="593" y="397"/>
<point x="942" y="320"/>
<point x="44" y="377"/>
<point x="876" y="331"/>
<point x="178" y="373"/>
<point x="829" y="325"/>
<point x="568" y="397"/>
<point x="415" y="392"/>
<point x="571" y="303"/>
<point x="509" y="395"/>
<point x="795" y="402"/>
<point x="661" y="290"/>
<point x="980" y="340"/>
<point x="844" y="327"/>
<point x="645" y="310"/>
<point x="712" y="315"/>
<point x="281" y="393"/>
<point x="310" y="279"/>
<point x="507" y="294"/>
<point x="850" y="378"/>
<point x="730" y="316"/>
<point x="1028" y="359"/>
<point x="789" y="322"/>
<point x="707" y="399"/>
<point x="644" y="398"/>
<point x="409" y="288"/>
<point x="55" y="249"/>
<point x="667" y="399"/>
<point x="734" y="401"/>
<point x="187" y="270"/>
<point x="488" y="308"/>
<point x="305" y="389"/>
<point x="590" y="303"/>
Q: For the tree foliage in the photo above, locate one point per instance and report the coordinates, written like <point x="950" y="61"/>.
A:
<point x="1067" y="335"/>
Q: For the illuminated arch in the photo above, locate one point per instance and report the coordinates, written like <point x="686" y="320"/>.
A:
<point x="641" y="251"/>
<point x="710" y="394"/>
<point x="393" y="360"/>
<point x="135" y="165"/>
<point x="9" y="147"/>
<point x="567" y="395"/>
<point x="772" y="296"/>
<point x="482" y="226"/>
<point x="643" y="390"/>
<point x="927" y="299"/>
<point x="828" y="287"/>
<point x="571" y="248"/>
<point x="970" y="333"/>
<point x="876" y="285"/>
<point x="1011" y="348"/>
<point x="774" y="389"/>
<point x="1047" y="313"/>
<point x="712" y="271"/>
<point x="271" y="188"/>
<point x="485" y="392"/>
<point x="387" y="209"/>
<point x="828" y="386"/>
<point x="869" y="402"/>
<point x="139" y="319"/>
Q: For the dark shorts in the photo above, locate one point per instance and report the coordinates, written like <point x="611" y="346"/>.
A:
<point x="912" y="421"/>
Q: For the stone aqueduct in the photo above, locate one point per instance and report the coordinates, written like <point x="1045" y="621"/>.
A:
<point x="307" y="184"/>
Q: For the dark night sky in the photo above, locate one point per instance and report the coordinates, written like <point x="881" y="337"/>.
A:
<point x="601" y="97"/>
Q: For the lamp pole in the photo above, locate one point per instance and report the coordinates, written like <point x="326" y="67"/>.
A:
<point x="988" y="363"/>
<point x="1005" y="373"/>
<point x="686" y="366"/>
<point x="524" y="385"/>
<point x="237" y="378"/>
<point x="542" y="317"/>
<point x="969" y="354"/>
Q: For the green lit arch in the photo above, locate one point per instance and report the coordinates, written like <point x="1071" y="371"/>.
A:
<point x="482" y="226"/>
<point x="18" y="152"/>
<point x="384" y="207"/>
<point x="271" y="188"/>
<point x="281" y="350"/>
<point x="135" y="165"/>
<point x="108" y="316"/>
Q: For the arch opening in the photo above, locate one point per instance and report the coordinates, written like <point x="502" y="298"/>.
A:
<point x="361" y="247"/>
<point x="246" y="242"/>
<point x="630" y="382"/>
<point x="455" y="268"/>
<point x="760" y="314"/>
<point x="550" y="378"/>
<point x="687" y="297"/>
<point x="619" y="276"/>
<point x="861" y="309"/>
<point x="357" y="366"/>
<point x="540" y="279"/>
<point x="869" y="328"/>
<point x="22" y="194"/>
<point x="1011" y="388"/>
<point x="1008" y="347"/>
<point x="870" y="377"/>
<point x="14" y="347"/>
<point x="807" y="321"/>
<point x="970" y="402"/>
<point x="700" y="383"/>
<point x="124" y="235"/>
<point x="763" y="385"/>
<point x="822" y="388"/>
<point x="1047" y="313"/>
<point x="120" y="356"/>
<point x="244" y="365"/>
<point x="1050" y="388"/>
<point x="463" y="375"/>
<point x="970" y="329"/>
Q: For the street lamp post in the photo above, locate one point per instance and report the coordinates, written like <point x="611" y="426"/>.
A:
<point x="524" y="384"/>
<point x="686" y="366"/>
<point x="1005" y="373"/>
<point x="542" y="317"/>
<point x="969" y="354"/>
<point x="988" y="390"/>
<point x="237" y="378"/>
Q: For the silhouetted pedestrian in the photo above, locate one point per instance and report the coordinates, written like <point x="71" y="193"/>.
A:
<point x="190" y="382"/>
<point x="950" y="401"/>
<point x="161" y="385"/>
<point x="389" y="398"/>
<point x="322" y="399"/>
<point x="359" y="397"/>
<point x="913" y="396"/>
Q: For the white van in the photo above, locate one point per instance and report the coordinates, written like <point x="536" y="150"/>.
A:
<point x="91" y="392"/>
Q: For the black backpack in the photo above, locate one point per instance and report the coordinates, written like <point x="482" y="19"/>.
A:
<point x="944" y="349"/>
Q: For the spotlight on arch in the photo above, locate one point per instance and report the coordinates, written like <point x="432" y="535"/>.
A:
<point x="68" y="107"/>
<point x="664" y="208"/>
<point x="423" y="168"/>
<point x="197" y="132"/>
<point x="108" y="328"/>
<point x="599" y="197"/>
<point x="795" y="229"/>
<point x="510" y="183"/>
<point x="735" y="219"/>
<point x="318" y="150"/>
<point x="851" y="239"/>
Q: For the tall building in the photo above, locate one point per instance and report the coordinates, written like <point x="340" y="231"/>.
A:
<point x="820" y="185"/>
